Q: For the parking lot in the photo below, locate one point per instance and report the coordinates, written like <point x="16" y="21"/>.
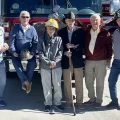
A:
<point x="22" y="106"/>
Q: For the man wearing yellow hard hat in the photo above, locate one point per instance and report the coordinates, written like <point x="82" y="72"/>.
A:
<point x="50" y="52"/>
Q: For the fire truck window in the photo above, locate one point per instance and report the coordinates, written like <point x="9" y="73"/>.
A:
<point x="79" y="4"/>
<point x="33" y="6"/>
<point x="38" y="7"/>
<point x="46" y="2"/>
<point x="74" y="5"/>
<point x="62" y="3"/>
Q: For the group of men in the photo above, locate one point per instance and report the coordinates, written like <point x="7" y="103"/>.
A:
<point x="61" y="51"/>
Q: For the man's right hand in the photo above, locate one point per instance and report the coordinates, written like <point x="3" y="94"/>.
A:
<point x="68" y="53"/>
<point x="4" y="47"/>
<point x="15" y="54"/>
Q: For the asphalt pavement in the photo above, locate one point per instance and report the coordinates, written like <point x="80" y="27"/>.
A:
<point x="22" y="106"/>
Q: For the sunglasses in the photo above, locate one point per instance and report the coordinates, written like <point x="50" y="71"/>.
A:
<point x="24" y="17"/>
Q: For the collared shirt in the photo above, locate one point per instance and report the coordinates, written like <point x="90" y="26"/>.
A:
<point x="1" y="42"/>
<point x="70" y="34"/>
<point x="25" y="28"/>
<point x="94" y="35"/>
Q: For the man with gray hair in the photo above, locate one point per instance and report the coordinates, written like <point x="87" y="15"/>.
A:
<point x="23" y="42"/>
<point x="98" y="51"/>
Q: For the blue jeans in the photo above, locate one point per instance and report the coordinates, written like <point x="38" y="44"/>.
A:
<point x="2" y="79"/>
<point x="31" y="65"/>
<point x="113" y="78"/>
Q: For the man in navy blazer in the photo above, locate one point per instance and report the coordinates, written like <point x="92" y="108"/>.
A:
<point x="72" y="62"/>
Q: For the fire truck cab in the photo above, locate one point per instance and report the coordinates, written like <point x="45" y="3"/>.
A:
<point x="41" y="9"/>
<point x="109" y="7"/>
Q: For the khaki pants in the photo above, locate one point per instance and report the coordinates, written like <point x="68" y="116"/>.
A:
<point x="95" y="69"/>
<point x="67" y="76"/>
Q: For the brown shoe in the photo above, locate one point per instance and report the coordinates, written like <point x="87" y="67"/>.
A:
<point x="98" y="105"/>
<point x="80" y="106"/>
<point x="89" y="102"/>
<point x="23" y="86"/>
<point x="28" y="87"/>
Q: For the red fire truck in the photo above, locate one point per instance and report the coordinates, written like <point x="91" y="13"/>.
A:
<point x="105" y="8"/>
<point x="40" y="9"/>
<point x="108" y="9"/>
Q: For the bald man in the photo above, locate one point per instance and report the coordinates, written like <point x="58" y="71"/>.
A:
<point x="98" y="51"/>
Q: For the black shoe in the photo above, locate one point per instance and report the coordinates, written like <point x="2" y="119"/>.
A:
<point x="89" y="103"/>
<point x="113" y="105"/>
<point x="2" y="103"/>
<point x="59" y="107"/>
<point x="52" y="111"/>
<point x="67" y="105"/>
<point x="97" y="105"/>
<point x="47" y="108"/>
<point x="118" y="107"/>
<point x="79" y="106"/>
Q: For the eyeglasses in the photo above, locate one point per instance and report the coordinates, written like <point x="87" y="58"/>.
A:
<point x="24" y="17"/>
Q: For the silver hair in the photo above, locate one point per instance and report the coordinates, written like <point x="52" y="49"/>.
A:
<point x="95" y="15"/>
<point x="23" y="12"/>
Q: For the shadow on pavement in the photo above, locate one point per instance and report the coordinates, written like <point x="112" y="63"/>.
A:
<point x="17" y="99"/>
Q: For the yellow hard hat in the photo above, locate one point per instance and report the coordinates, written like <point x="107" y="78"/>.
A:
<point x="52" y="22"/>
